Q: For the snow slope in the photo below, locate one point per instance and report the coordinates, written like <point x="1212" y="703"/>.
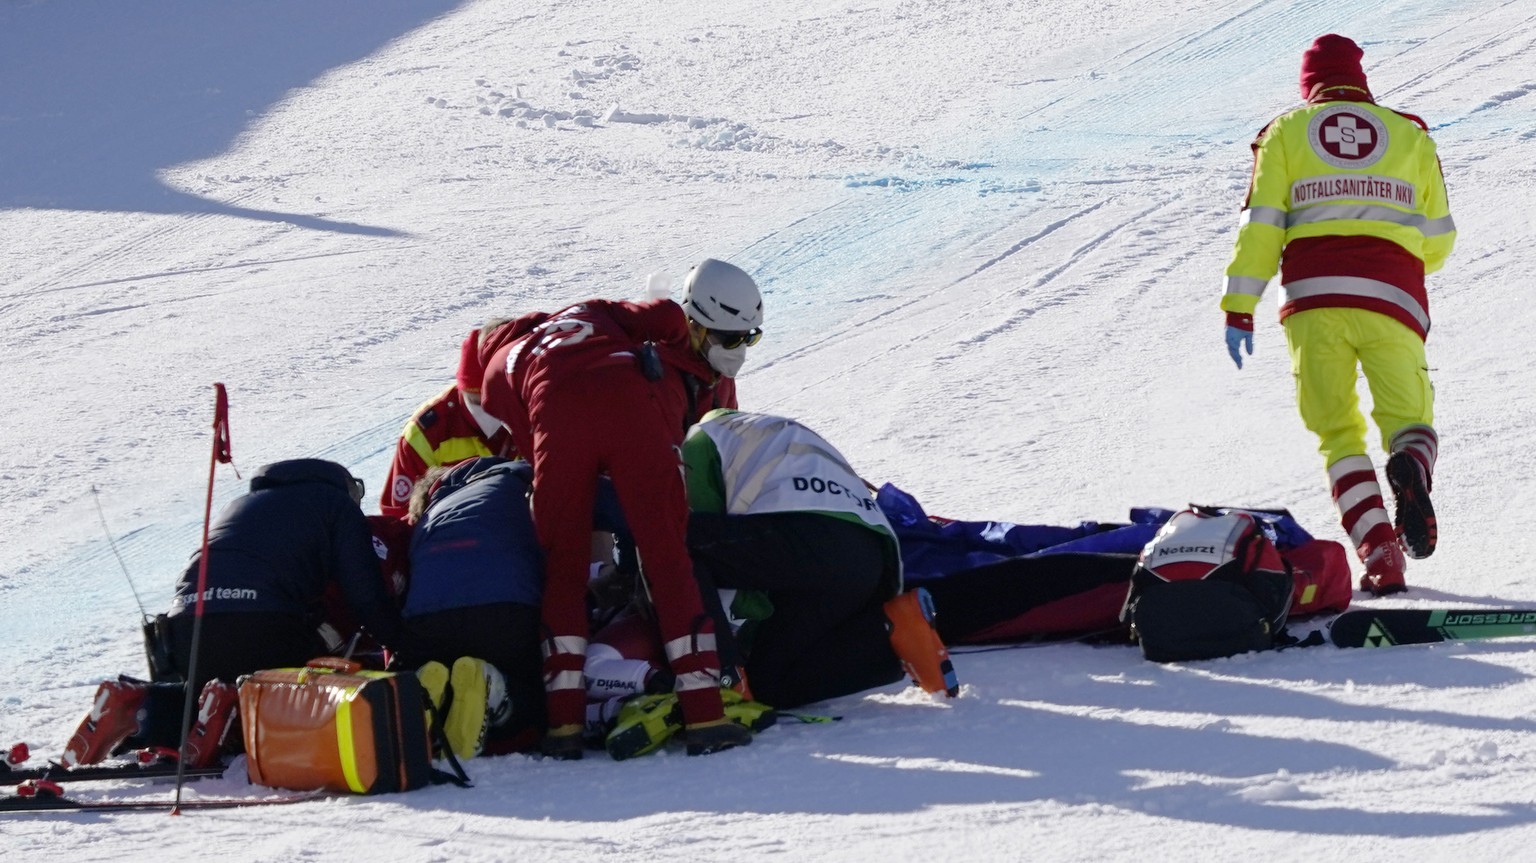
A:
<point x="991" y="236"/>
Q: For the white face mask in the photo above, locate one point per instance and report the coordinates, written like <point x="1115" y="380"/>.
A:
<point x="726" y="362"/>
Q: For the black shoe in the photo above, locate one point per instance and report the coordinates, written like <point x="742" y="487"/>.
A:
<point x="1415" y="517"/>
<point x="563" y="744"/>
<point x="717" y="736"/>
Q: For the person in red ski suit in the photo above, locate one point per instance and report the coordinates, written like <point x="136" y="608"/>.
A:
<point x="606" y="386"/>
<point x="444" y="431"/>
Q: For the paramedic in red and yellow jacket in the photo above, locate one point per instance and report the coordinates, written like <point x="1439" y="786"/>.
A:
<point x="444" y="431"/>
<point x="1348" y="203"/>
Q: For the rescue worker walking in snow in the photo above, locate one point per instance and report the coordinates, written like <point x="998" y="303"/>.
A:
<point x="1348" y="202"/>
<point x="611" y="387"/>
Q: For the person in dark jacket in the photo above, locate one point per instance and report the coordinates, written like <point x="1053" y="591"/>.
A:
<point x="272" y="555"/>
<point x="477" y="578"/>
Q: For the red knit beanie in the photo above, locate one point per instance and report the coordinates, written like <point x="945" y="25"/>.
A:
<point x="471" y="370"/>
<point x="1333" y="60"/>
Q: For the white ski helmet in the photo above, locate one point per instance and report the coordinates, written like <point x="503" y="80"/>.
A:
<point x="721" y="296"/>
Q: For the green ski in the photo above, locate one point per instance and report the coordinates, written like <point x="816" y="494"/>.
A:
<point x="1393" y="626"/>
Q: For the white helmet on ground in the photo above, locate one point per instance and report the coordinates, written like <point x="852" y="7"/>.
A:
<point x="722" y="297"/>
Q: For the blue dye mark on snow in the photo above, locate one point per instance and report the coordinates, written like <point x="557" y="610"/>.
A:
<point x="900" y="183"/>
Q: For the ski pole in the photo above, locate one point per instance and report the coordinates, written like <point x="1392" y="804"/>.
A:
<point x="221" y="453"/>
<point x="154" y="649"/>
<point x="111" y="543"/>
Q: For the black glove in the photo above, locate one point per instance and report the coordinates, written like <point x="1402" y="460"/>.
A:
<point x="611" y="589"/>
<point x="661" y="681"/>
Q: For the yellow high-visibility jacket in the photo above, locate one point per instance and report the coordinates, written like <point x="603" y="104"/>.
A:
<point x="443" y="431"/>
<point x="1348" y="203"/>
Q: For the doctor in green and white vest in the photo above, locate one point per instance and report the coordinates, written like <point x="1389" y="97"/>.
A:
<point x="790" y="539"/>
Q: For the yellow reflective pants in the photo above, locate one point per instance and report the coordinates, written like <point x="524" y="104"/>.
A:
<point x="1326" y="347"/>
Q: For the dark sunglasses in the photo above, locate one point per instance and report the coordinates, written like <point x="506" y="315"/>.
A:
<point x="730" y="340"/>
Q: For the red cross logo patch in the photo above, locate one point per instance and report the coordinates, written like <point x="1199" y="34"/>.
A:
<point x="1345" y="136"/>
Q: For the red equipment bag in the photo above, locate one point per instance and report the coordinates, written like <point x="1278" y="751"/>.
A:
<point x="1209" y="584"/>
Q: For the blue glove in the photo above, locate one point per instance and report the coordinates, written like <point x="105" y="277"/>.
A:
<point x="1238" y="337"/>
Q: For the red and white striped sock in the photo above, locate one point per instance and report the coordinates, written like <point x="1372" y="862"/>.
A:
<point x="1423" y="444"/>
<point x="1357" y="494"/>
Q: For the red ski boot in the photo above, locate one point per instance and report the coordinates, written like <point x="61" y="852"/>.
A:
<point x="113" y="716"/>
<point x="1384" y="567"/>
<point x="217" y="709"/>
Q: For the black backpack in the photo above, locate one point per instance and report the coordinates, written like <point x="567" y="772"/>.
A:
<point x="1210" y="584"/>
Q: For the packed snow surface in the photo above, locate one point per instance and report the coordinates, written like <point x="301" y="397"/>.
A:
<point x="991" y="235"/>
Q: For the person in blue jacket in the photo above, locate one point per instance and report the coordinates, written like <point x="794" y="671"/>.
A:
<point x="477" y="578"/>
<point x="272" y="555"/>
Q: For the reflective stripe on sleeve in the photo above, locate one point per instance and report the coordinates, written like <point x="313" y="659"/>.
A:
<point x="1246" y="285"/>
<point x="451" y="451"/>
<point x="1272" y="216"/>
<point x="457" y="449"/>
<point x="1439" y="227"/>
<point x="419" y="444"/>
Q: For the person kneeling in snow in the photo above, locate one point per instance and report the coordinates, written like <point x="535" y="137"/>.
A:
<point x="783" y="527"/>
<point x="471" y="615"/>
<point x="272" y="555"/>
